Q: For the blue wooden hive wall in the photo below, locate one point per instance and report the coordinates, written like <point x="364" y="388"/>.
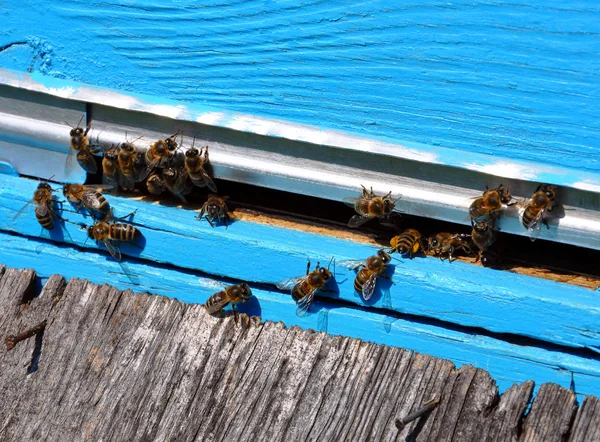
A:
<point x="494" y="90"/>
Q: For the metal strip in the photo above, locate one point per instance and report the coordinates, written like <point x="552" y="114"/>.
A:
<point x="329" y="172"/>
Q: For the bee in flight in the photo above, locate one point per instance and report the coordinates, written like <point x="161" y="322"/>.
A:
<point x="110" y="167"/>
<point x="80" y="143"/>
<point x="370" y="206"/>
<point x="214" y="210"/>
<point x="532" y="212"/>
<point x="44" y="209"/>
<point x="230" y="295"/>
<point x="155" y="184"/>
<point x="370" y="270"/>
<point x="158" y="154"/>
<point x="303" y="288"/>
<point x="89" y="198"/>
<point x="107" y="232"/>
<point x="482" y="236"/>
<point x="409" y="241"/>
<point x="490" y="203"/>
<point x="196" y="162"/>
<point x="444" y="244"/>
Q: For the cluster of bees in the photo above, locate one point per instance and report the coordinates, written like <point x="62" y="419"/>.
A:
<point x="163" y="167"/>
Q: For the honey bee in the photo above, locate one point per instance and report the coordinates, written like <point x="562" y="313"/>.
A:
<point x="155" y="184"/>
<point x="176" y="180"/>
<point x="232" y="294"/>
<point x="370" y="270"/>
<point x="127" y="157"/>
<point x="303" y="288"/>
<point x="80" y="143"/>
<point x="409" y="241"/>
<point x="44" y="210"/>
<point x="482" y="236"/>
<point x="490" y="203"/>
<point x="369" y="206"/>
<point x="214" y="209"/>
<point x="158" y="154"/>
<point x="195" y="162"/>
<point x="88" y="198"/>
<point x="444" y="244"/>
<point x="532" y="211"/>
<point x="110" y="167"/>
<point x="112" y="231"/>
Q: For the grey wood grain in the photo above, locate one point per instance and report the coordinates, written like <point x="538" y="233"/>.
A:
<point x="551" y="415"/>
<point x="587" y="422"/>
<point x="118" y="366"/>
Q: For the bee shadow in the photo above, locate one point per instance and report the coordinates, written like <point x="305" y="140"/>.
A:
<point x="382" y="289"/>
<point x="251" y="307"/>
<point x="133" y="248"/>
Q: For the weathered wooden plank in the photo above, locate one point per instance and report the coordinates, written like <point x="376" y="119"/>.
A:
<point x="551" y="415"/>
<point x="587" y="422"/>
<point x="122" y="366"/>
<point x="457" y="292"/>
<point x="497" y="77"/>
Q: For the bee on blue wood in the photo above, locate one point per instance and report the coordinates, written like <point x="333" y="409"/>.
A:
<point x="490" y="203"/>
<point x="370" y="269"/>
<point x="370" y="206"/>
<point x="109" y="231"/>
<point x="303" y="288"/>
<point x="80" y="144"/>
<point x="230" y="295"/>
<point x="88" y="197"/>
<point x="534" y="210"/>
<point x="214" y="210"/>
<point x="409" y="241"/>
<point x="44" y="206"/>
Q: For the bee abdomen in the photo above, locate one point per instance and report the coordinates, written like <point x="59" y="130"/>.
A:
<point x="360" y="280"/>
<point x="46" y="221"/>
<point x="123" y="232"/>
<point x="216" y="302"/>
<point x="528" y="216"/>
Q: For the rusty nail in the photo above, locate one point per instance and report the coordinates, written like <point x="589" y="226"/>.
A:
<point x="12" y="340"/>
<point x="426" y="408"/>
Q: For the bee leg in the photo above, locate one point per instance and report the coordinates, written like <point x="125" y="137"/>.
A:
<point x="206" y="154"/>
<point x="308" y="267"/>
<point x="225" y="219"/>
<point x="235" y="315"/>
<point x="210" y="221"/>
<point x="126" y="216"/>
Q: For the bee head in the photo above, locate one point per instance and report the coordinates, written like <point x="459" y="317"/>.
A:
<point x="504" y="193"/>
<point x="384" y="256"/>
<point x="66" y="190"/>
<point x="433" y="242"/>
<point x="481" y="227"/>
<point x="170" y="173"/>
<point x="171" y="144"/>
<point x="192" y="152"/>
<point x="111" y="154"/>
<point x="388" y="206"/>
<point x="325" y="273"/>
<point x="245" y="291"/>
<point x="76" y="132"/>
<point x="44" y="186"/>
<point x="156" y="180"/>
<point x="127" y="147"/>
<point x="549" y="190"/>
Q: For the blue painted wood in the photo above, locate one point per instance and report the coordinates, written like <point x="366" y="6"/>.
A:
<point x="513" y="79"/>
<point x="459" y="293"/>
<point x="507" y="363"/>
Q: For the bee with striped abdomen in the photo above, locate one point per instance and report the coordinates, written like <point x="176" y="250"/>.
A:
<point x="444" y="244"/>
<point x="482" y="236"/>
<point x="113" y="231"/>
<point x="110" y="167"/>
<point x="370" y="206"/>
<point x="156" y="184"/>
<point x="88" y="197"/>
<point x="370" y="270"/>
<point x="214" y="210"/>
<point x="81" y="148"/>
<point x="409" y="241"/>
<point x="532" y="211"/>
<point x="44" y="206"/>
<point x="303" y="288"/>
<point x="490" y="203"/>
<point x="230" y="295"/>
<point x="196" y="162"/>
<point x="127" y="157"/>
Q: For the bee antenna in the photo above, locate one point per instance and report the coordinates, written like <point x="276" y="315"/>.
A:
<point x="81" y="119"/>
<point x="397" y="259"/>
<point x="330" y="261"/>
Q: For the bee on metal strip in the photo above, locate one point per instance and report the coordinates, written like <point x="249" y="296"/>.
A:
<point x="127" y="157"/>
<point x="370" y="206"/>
<point x="159" y="154"/>
<point x="110" y="168"/>
<point x="196" y="162"/>
<point x="370" y="270"/>
<point x="490" y="203"/>
<point x="303" y="288"/>
<point x="81" y="148"/>
<point x="533" y="211"/>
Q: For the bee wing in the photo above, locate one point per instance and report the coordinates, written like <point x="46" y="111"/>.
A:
<point x="209" y="182"/>
<point x="358" y="220"/>
<point x="89" y="200"/>
<point x="536" y="226"/>
<point x="20" y="212"/>
<point x="42" y="209"/>
<point x="113" y="250"/>
<point x="288" y="284"/>
<point x="87" y="160"/>
<point x="369" y="287"/>
<point x="350" y="201"/>
<point x="148" y="168"/>
<point x="303" y="304"/>
<point x="217" y="306"/>
<point x="351" y="264"/>
<point x="387" y="305"/>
